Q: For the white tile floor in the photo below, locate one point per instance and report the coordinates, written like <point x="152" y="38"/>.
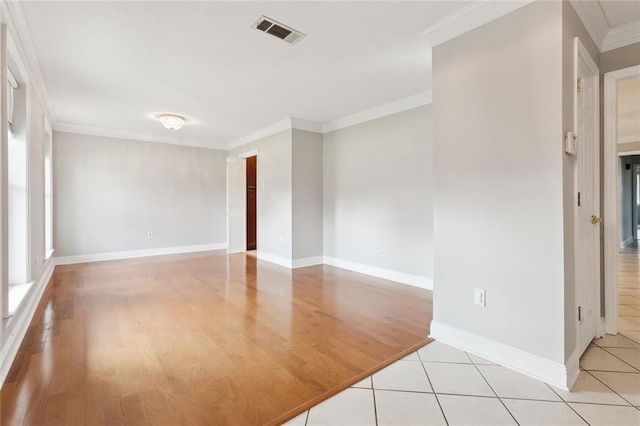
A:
<point x="440" y="385"/>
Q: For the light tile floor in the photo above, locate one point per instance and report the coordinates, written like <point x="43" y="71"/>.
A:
<point x="440" y="385"/>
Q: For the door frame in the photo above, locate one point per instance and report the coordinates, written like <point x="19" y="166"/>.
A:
<point x="581" y="54"/>
<point x="612" y="196"/>
<point x="243" y="157"/>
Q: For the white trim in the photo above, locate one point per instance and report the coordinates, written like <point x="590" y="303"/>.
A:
<point x="469" y="17"/>
<point x="307" y="261"/>
<point x="249" y="154"/>
<point x="309" y="126"/>
<point x="621" y="36"/>
<point x="403" y="104"/>
<point x="288" y="123"/>
<point x="572" y="368"/>
<point x="272" y="258"/>
<point x="611" y="225"/>
<point x="125" y="134"/>
<point x="629" y="139"/>
<point x="13" y="14"/>
<point x="593" y="19"/>
<point x="130" y="254"/>
<point x="19" y="324"/>
<point x="551" y="372"/>
<point x="272" y="129"/>
<point x="387" y="274"/>
<point x="628" y="153"/>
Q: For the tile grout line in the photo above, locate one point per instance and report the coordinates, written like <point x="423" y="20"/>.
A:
<point x="494" y="392"/>
<point x="375" y="406"/>
<point x="444" y="416"/>
<point x="637" y="370"/>
<point x="566" y="403"/>
<point x="609" y="387"/>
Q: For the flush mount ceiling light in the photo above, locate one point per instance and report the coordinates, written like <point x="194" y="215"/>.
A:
<point x="171" y="121"/>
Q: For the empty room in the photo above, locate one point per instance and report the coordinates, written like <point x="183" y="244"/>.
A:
<point x="320" y="213"/>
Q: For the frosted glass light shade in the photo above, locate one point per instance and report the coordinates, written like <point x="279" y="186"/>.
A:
<point x="171" y="121"/>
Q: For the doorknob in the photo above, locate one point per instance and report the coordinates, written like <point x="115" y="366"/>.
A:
<point x="595" y="219"/>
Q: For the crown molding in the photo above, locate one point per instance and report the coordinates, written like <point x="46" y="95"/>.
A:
<point x="468" y="18"/>
<point x="404" y="104"/>
<point x="18" y="29"/>
<point x="272" y="129"/>
<point x="621" y="36"/>
<point x="309" y="126"/>
<point x="123" y="134"/>
<point x="591" y="15"/>
<point x="280" y="126"/>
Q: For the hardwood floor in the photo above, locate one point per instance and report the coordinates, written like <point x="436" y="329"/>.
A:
<point x="204" y="339"/>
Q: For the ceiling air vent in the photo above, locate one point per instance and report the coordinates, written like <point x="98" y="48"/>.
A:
<point x="276" y="29"/>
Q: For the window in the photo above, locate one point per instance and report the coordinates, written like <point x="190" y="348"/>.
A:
<point x="48" y="190"/>
<point x="17" y="202"/>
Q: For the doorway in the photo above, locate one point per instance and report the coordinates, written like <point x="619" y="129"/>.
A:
<point x="252" y="207"/>
<point x="618" y="142"/>
<point x="241" y="191"/>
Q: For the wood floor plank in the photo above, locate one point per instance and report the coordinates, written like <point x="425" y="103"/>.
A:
<point x="204" y="339"/>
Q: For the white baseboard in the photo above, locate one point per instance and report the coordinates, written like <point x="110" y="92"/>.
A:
<point x="387" y="274"/>
<point x="18" y="325"/>
<point x="130" y="254"/>
<point x="627" y="242"/>
<point x="539" y="368"/>
<point x="278" y="260"/>
<point x="573" y="368"/>
<point x="307" y="261"/>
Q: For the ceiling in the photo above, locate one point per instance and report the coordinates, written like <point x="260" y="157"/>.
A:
<point x="620" y="12"/>
<point x="110" y="66"/>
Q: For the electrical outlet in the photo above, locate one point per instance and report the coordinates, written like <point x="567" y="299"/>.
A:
<point x="480" y="297"/>
<point x="377" y="246"/>
<point x="149" y="234"/>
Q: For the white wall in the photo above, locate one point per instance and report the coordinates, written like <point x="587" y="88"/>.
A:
<point x="499" y="182"/>
<point x="378" y="188"/>
<point x="109" y="192"/>
<point x="307" y="194"/>
<point x="274" y="194"/>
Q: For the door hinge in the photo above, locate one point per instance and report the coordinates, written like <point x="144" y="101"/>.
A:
<point x="578" y="199"/>
<point x="579" y="313"/>
<point x="579" y="85"/>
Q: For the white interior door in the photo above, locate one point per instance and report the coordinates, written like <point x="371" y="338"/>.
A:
<point x="236" y="205"/>
<point x="587" y="226"/>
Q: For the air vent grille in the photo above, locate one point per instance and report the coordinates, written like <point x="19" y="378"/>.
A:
<point x="278" y="30"/>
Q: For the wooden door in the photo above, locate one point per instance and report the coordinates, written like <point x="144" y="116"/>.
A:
<point x="252" y="203"/>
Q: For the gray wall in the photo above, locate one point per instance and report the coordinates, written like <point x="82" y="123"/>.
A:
<point x="378" y="188"/>
<point x="617" y="59"/>
<point x="109" y="192"/>
<point x="498" y="181"/>
<point x="274" y="193"/>
<point x="307" y="194"/>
